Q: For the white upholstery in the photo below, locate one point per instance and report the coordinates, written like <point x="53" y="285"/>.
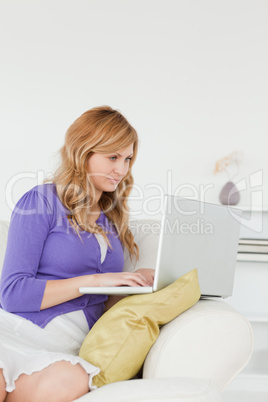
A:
<point x="210" y="341"/>
<point x="165" y="389"/>
<point x="3" y="241"/>
<point x="196" y="355"/>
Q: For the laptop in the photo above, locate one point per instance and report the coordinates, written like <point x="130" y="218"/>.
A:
<point x="193" y="234"/>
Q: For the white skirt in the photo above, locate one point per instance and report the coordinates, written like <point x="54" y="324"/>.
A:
<point x="26" y="348"/>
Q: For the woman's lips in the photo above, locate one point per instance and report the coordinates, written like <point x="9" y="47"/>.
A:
<point x="114" y="181"/>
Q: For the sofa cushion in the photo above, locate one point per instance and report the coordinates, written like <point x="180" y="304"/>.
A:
<point x="160" y="389"/>
<point x="4" y="225"/>
<point x="146" y="234"/>
<point x="120" y="340"/>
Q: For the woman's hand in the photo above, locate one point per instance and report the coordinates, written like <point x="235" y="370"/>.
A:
<point x="147" y="273"/>
<point x="137" y="278"/>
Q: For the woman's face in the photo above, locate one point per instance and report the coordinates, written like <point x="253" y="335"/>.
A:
<point x="107" y="170"/>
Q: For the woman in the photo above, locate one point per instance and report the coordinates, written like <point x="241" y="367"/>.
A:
<point x="63" y="235"/>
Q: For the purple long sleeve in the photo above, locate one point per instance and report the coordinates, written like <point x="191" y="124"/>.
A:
<point x="21" y="290"/>
<point x="42" y="245"/>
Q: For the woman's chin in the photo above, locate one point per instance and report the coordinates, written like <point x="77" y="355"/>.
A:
<point x="110" y="188"/>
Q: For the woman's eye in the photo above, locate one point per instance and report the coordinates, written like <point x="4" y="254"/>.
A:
<point x="113" y="158"/>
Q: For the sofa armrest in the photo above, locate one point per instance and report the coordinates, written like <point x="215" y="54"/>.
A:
<point x="4" y="225"/>
<point x="210" y="341"/>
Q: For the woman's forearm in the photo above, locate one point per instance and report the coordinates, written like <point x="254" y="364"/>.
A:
<point x="62" y="290"/>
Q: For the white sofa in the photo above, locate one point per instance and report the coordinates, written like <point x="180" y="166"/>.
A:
<point x="195" y="356"/>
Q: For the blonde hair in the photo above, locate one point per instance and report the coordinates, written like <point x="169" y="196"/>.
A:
<point x="98" y="130"/>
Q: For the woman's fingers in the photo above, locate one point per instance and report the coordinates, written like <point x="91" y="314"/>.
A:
<point x="132" y="279"/>
<point x="121" y="279"/>
<point x="147" y="273"/>
<point x="137" y="279"/>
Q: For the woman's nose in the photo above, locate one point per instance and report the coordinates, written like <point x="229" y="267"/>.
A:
<point x="120" y="169"/>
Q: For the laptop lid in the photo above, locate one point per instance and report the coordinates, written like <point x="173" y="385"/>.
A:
<point x="200" y="235"/>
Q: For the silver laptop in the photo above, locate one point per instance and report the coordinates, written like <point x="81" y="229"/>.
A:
<point x="193" y="234"/>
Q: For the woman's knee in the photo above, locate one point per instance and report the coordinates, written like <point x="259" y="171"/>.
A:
<point x="3" y="392"/>
<point x="59" y="382"/>
<point x="63" y="381"/>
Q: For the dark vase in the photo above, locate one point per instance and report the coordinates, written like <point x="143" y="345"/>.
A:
<point x="229" y="194"/>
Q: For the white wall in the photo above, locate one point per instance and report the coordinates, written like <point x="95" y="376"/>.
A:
<point x="190" y="75"/>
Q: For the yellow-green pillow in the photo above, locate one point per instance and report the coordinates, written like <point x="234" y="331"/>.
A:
<point x="120" y="340"/>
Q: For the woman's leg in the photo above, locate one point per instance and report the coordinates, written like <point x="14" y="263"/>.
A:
<point x="59" y="382"/>
<point x="3" y="393"/>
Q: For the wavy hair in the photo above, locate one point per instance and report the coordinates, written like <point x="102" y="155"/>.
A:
<point x="98" y="130"/>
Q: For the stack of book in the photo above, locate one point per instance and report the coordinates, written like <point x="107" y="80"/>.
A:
<point x="252" y="250"/>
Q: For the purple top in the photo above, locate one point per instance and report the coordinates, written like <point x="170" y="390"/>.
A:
<point x="43" y="245"/>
